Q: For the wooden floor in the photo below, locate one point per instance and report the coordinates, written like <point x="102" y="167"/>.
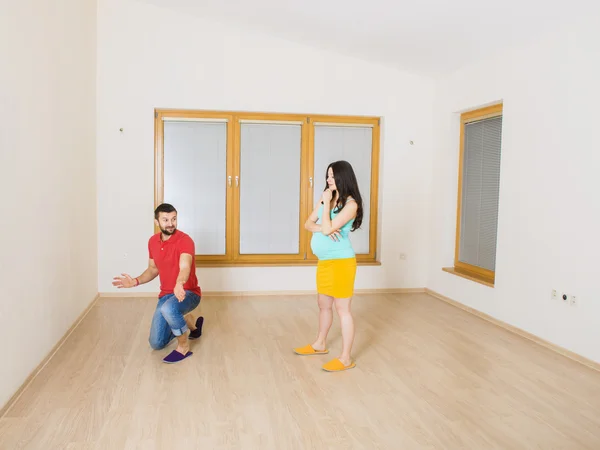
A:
<point x="428" y="375"/>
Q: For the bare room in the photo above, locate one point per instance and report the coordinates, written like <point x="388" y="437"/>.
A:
<point x="213" y="210"/>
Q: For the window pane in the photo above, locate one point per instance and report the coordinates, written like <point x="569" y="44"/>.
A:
<point x="353" y="144"/>
<point x="481" y="184"/>
<point x="195" y="165"/>
<point x="270" y="188"/>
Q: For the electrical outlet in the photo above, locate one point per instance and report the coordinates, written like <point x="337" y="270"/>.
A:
<point x="573" y="300"/>
<point x="554" y="294"/>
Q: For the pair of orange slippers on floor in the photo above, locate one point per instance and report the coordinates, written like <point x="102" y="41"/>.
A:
<point x="335" y="365"/>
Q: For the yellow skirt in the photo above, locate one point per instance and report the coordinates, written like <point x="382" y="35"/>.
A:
<point x="335" y="277"/>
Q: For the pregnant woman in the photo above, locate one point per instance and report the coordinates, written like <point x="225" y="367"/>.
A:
<point x="339" y="212"/>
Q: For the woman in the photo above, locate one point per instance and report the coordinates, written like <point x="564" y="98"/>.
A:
<point x="339" y="212"/>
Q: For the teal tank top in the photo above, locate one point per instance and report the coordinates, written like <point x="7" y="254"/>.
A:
<point x="326" y="248"/>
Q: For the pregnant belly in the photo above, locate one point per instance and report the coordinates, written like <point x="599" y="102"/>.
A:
<point x="326" y="248"/>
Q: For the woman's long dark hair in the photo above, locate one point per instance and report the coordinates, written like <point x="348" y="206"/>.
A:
<point x="347" y="185"/>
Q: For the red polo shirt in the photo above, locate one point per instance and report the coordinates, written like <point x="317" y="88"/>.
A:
<point x="166" y="256"/>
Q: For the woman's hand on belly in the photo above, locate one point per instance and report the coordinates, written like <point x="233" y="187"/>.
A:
<point x="335" y="236"/>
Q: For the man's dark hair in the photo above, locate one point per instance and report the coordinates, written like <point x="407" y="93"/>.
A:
<point x="164" y="207"/>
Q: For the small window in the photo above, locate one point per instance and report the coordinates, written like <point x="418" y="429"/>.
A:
<point x="478" y="193"/>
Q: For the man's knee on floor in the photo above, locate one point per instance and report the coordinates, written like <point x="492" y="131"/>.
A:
<point x="156" y="344"/>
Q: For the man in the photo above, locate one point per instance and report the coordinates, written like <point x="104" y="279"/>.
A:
<point x="171" y="255"/>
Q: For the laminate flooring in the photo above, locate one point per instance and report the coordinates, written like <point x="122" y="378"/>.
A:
<point x="428" y="376"/>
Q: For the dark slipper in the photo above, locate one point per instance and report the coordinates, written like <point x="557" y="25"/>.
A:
<point x="198" y="331"/>
<point x="175" y="357"/>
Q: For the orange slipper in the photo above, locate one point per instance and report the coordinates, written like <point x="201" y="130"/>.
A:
<point x="335" y="365"/>
<point x="308" y="350"/>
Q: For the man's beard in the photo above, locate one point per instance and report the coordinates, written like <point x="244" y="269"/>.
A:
<point x="168" y="232"/>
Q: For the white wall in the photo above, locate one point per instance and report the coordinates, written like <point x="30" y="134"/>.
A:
<point x="151" y="57"/>
<point x="47" y="178"/>
<point x="549" y="214"/>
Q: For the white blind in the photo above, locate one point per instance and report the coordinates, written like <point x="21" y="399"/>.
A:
<point x="195" y="164"/>
<point x="480" y="191"/>
<point x="353" y="144"/>
<point x="270" y="188"/>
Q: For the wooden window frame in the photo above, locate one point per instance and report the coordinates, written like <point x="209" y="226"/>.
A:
<point x="374" y="123"/>
<point x="469" y="271"/>
<point x="305" y="256"/>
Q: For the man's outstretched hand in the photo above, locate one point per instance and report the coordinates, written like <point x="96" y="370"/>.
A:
<point x="124" y="281"/>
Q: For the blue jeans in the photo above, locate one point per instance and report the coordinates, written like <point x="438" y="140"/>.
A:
<point x="168" y="320"/>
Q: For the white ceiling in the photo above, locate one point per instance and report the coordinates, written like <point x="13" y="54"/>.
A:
<point x="429" y="37"/>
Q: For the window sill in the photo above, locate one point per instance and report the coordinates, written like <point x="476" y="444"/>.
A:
<point x="301" y="263"/>
<point x="469" y="276"/>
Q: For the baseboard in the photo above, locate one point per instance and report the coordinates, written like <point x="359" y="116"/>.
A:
<point x="6" y="408"/>
<point x="556" y="348"/>
<point x="307" y="292"/>
<point x="128" y="294"/>
<point x="132" y="293"/>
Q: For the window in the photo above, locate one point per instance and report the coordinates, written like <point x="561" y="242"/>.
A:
<point x="244" y="183"/>
<point x="478" y="192"/>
